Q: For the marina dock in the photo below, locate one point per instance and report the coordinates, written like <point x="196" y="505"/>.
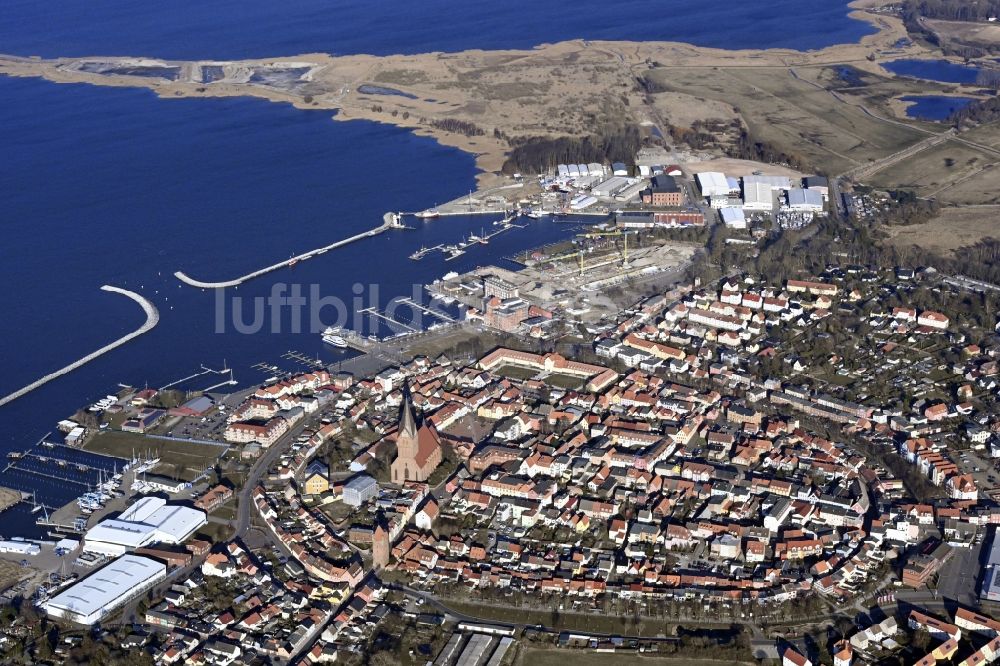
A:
<point x="152" y="318"/>
<point x="457" y="250"/>
<point x="390" y="221"/>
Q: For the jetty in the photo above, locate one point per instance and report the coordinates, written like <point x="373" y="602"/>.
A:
<point x="390" y="221"/>
<point x="378" y="314"/>
<point x="152" y="319"/>
<point x="422" y="308"/>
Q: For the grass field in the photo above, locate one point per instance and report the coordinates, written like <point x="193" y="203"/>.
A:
<point x="952" y="229"/>
<point x="966" y="32"/>
<point x="530" y="656"/>
<point x="515" y="372"/>
<point x="564" y="381"/>
<point x="987" y="135"/>
<point x="186" y="459"/>
<point x="951" y="172"/>
<point x="795" y="115"/>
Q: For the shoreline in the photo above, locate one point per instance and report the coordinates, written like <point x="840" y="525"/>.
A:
<point x="434" y="84"/>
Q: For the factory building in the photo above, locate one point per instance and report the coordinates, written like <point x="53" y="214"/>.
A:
<point x="148" y="521"/>
<point x="104" y="591"/>
<point x="803" y="201"/>
<point x="713" y="184"/>
<point x="611" y="186"/>
<point x="663" y="191"/>
<point x="817" y="184"/>
<point x="757" y="195"/>
<point x="776" y="183"/>
<point x="990" y="590"/>
<point x="16" y="547"/>
<point x="733" y="218"/>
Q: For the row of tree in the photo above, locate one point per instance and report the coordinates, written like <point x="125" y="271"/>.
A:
<point x="539" y="154"/>
<point x="978" y="112"/>
<point x="952" y="10"/>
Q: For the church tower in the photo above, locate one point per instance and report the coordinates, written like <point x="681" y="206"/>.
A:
<point x="418" y="448"/>
<point x="407" y="438"/>
<point x="380" y="543"/>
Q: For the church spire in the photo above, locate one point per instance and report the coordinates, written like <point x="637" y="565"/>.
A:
<point x="407" y="419"/>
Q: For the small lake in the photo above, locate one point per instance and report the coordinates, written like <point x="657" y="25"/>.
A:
<point x="934" y="107"/>
<point x="934" y="70"/>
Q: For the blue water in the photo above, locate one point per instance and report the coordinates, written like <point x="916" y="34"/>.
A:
<point x="934" y="107"/>
<point x="934" y="70"/>
<point x="113" y="185"/>
<point x="188" y="29"/>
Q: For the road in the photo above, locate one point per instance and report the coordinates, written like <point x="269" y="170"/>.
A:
<point x="257" y="471"/>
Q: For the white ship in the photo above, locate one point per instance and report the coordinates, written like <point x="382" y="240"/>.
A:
<point x="331" y="336"/>
<point x="428" y="214"/>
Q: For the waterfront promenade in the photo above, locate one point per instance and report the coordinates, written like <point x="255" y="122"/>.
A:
<point x="390" y="222"/>
<point x="152" y="319"/>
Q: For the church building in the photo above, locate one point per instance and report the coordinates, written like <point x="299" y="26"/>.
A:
<point x="418" y="449"/>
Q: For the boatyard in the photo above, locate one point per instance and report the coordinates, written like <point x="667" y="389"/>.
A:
<point x="576" y="277"/>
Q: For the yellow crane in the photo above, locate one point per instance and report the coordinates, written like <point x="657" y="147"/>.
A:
<point x="600" y="234"/>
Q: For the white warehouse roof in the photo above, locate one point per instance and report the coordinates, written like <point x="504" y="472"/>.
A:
<point x="809" y="199"/>
<point x="104" y="590"/>
<point x="712" y="183"/>
<point x="147" y="521"/>
<point x="757" y="195"/>
<point x="774" y="182"/>
<point x="734" y="217"/>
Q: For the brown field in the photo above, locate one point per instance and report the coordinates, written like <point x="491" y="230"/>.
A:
<point x="979" y="188"/>
<point x="952" y="229"/>
<point x="966" y="32"/>
<point x="949" y="172"/>
<point x="988" y="135"/>
<point x="794" y="114"/>
<point x="11" y="573"/>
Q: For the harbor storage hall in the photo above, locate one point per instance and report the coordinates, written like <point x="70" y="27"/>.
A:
<point x="150" y="520"/>
<point x="104" y="591"/>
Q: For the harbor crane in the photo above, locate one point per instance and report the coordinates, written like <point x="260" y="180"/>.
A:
<point x="602" y="234"/>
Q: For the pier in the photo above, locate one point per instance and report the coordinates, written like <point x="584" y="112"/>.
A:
<point x="488" y="201"/>
<point x="434" y="313"/>
<point x="390" y="221"/>
<point x="375" y="312"/>
<point x="454" y="251"/>
<point x="293" y="355"/>
<point x="152" y="318"/>
<point x="204" y="371"/>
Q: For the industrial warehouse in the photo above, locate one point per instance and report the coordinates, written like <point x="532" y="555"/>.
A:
<point x="150" y="520"/>
<point x="104" y="591"/>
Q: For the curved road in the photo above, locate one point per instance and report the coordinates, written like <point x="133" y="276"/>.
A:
<point x="152" y="318"/>
<point x="183" y="277"/>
